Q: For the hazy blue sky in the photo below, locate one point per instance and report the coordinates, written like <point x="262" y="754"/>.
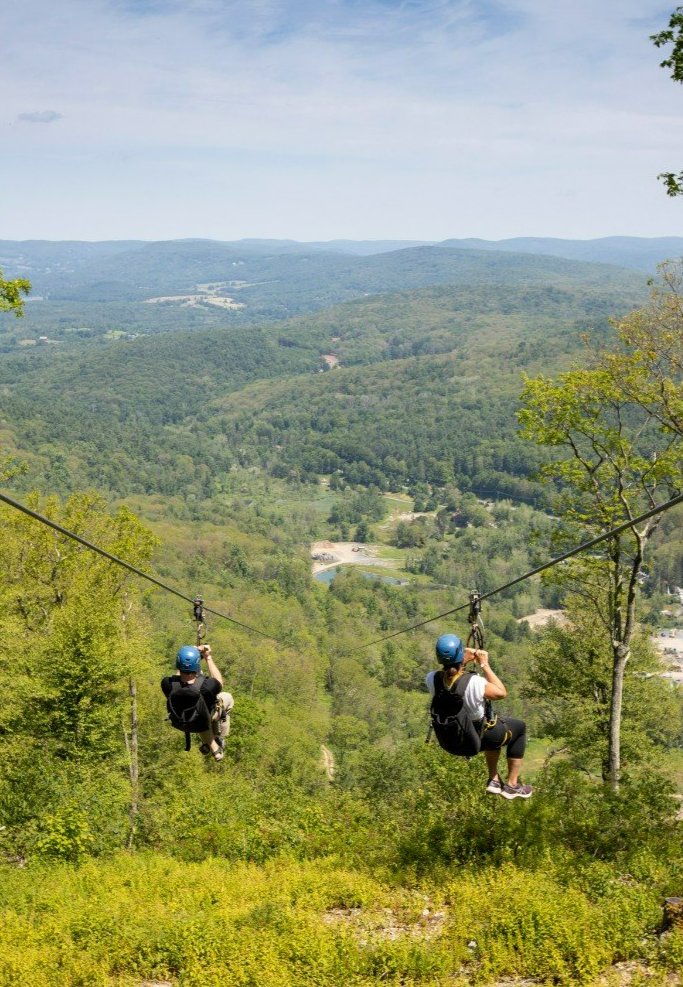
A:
<point x="420" y="119"/>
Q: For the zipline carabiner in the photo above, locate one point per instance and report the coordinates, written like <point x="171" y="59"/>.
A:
<point x="198" y="615"/>
<point x="475" y="638"/>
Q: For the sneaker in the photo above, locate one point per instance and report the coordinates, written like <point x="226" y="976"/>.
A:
<point x="204" y="749"/>
<point x="517" y="791"/>
<point x="494" y="786"/>
<point x="218" y="755"/>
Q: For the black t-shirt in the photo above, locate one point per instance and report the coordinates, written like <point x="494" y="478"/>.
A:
<point x="210" y="688"/>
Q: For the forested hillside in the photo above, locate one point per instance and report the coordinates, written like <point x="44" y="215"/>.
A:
<point x="331" y="845"/>
<point x="181" y="284"/>
<point x="438" y="403"/>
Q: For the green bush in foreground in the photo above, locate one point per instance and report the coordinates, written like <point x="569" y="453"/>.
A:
<point x="290" y="924"/>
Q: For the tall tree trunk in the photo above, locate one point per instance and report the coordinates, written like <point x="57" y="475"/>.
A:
<point x="623" y="629"/>
<point x="621" y="655"/>
<point x="133" y="764"/>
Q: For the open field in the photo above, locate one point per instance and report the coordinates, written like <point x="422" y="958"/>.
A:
<point x="329" y="554"/>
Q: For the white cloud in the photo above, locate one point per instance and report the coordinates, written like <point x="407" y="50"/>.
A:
<point x="40" y="116"/>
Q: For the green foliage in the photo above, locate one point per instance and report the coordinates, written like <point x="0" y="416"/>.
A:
<point x="672" y="181"/>
<point x="10" y="294"/>
<point x="525" y="934"/>
<point x="150" y="918"/>
<point x="672" y="35"/>
<point x="650" y="371"/>
<point x="81" y="630"/>
<point x="577" y="818"/>
<point x="615" y="456"/>
<point x="570" y="681"/>
<point x="415" y="414"/>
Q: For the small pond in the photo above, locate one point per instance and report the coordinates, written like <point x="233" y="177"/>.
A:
<point x="327" y="575"/>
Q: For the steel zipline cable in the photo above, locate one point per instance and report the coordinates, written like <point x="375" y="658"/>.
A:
<point x="659" y="509"/>
<point x="126" y="565"/>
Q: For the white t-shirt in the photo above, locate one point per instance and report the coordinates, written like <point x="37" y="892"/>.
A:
<point x="473" y="700"/>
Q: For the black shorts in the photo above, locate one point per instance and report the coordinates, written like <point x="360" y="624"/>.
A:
<point x="506" y="732"/>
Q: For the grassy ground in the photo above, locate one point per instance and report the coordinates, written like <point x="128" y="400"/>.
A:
<point x="147" y="918"/>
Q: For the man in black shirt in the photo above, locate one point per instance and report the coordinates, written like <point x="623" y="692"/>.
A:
<point x="215" y="703"/>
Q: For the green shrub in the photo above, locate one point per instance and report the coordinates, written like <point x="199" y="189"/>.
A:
<point x="293" y="924"/>
<point x="670" y="954"/>
<point x="527" y="924"/>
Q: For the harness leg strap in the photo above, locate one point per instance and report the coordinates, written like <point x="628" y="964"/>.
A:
<point x="188" y="740"/>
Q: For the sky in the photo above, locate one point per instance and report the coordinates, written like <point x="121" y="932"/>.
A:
<point x="326" y="119"/>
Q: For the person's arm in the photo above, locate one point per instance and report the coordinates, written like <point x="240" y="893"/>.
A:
<point x="429" y="682"/>
<point x="205" y="650"/>
<point x="494" y="688"/>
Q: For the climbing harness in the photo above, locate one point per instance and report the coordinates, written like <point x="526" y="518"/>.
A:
<point x="187" y="709"/>
<point x="469" y="734"/>
<point x="454" y="728"/>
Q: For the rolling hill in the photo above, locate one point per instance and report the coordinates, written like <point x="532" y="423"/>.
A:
<point x="424" y="385"/>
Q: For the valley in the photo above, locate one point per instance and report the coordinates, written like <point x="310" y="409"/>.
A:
<point x="324" y="444"/>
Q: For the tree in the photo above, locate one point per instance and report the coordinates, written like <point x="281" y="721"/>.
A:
<point x="10" y="294"/>
<point x="616" y="458"/>
<point x="673" y="35"/>
<point x="73" y="627"/>
<point x="570" y="686"/>
<point x="362" y="533"/>
<point x="650" y="368"/>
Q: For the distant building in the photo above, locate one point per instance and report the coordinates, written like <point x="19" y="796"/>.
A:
<point x="43" y="340"/>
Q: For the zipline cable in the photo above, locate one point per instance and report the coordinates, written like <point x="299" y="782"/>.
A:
<point x="532" y="572"/>
<point x="126" y="565"/>
<point x="659" y="509"/>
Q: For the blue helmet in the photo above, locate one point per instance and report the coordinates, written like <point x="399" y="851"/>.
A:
<point x="188" y="659"/>
<point x="450" y="649"/>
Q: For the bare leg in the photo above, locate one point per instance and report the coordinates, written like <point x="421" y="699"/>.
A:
<point x="492" y="763"/>
<point x="514" y="767"/>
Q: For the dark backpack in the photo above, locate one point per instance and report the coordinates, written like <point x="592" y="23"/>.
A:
<point x="187" y="708"/>
<point x="455" y="729"/>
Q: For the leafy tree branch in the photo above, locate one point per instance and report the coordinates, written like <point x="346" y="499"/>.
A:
<point x="11" y="294"/>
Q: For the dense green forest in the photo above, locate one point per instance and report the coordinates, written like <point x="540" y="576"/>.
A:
<point x="332" y="845"/>
<point x="425" y="390"/>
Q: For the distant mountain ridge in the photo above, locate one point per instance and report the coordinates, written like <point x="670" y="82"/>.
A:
<point x="195" y="283"/>
<point x="636" y="253"/>
<point x="133" y="270"/>
<point x="42" y="258"/>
